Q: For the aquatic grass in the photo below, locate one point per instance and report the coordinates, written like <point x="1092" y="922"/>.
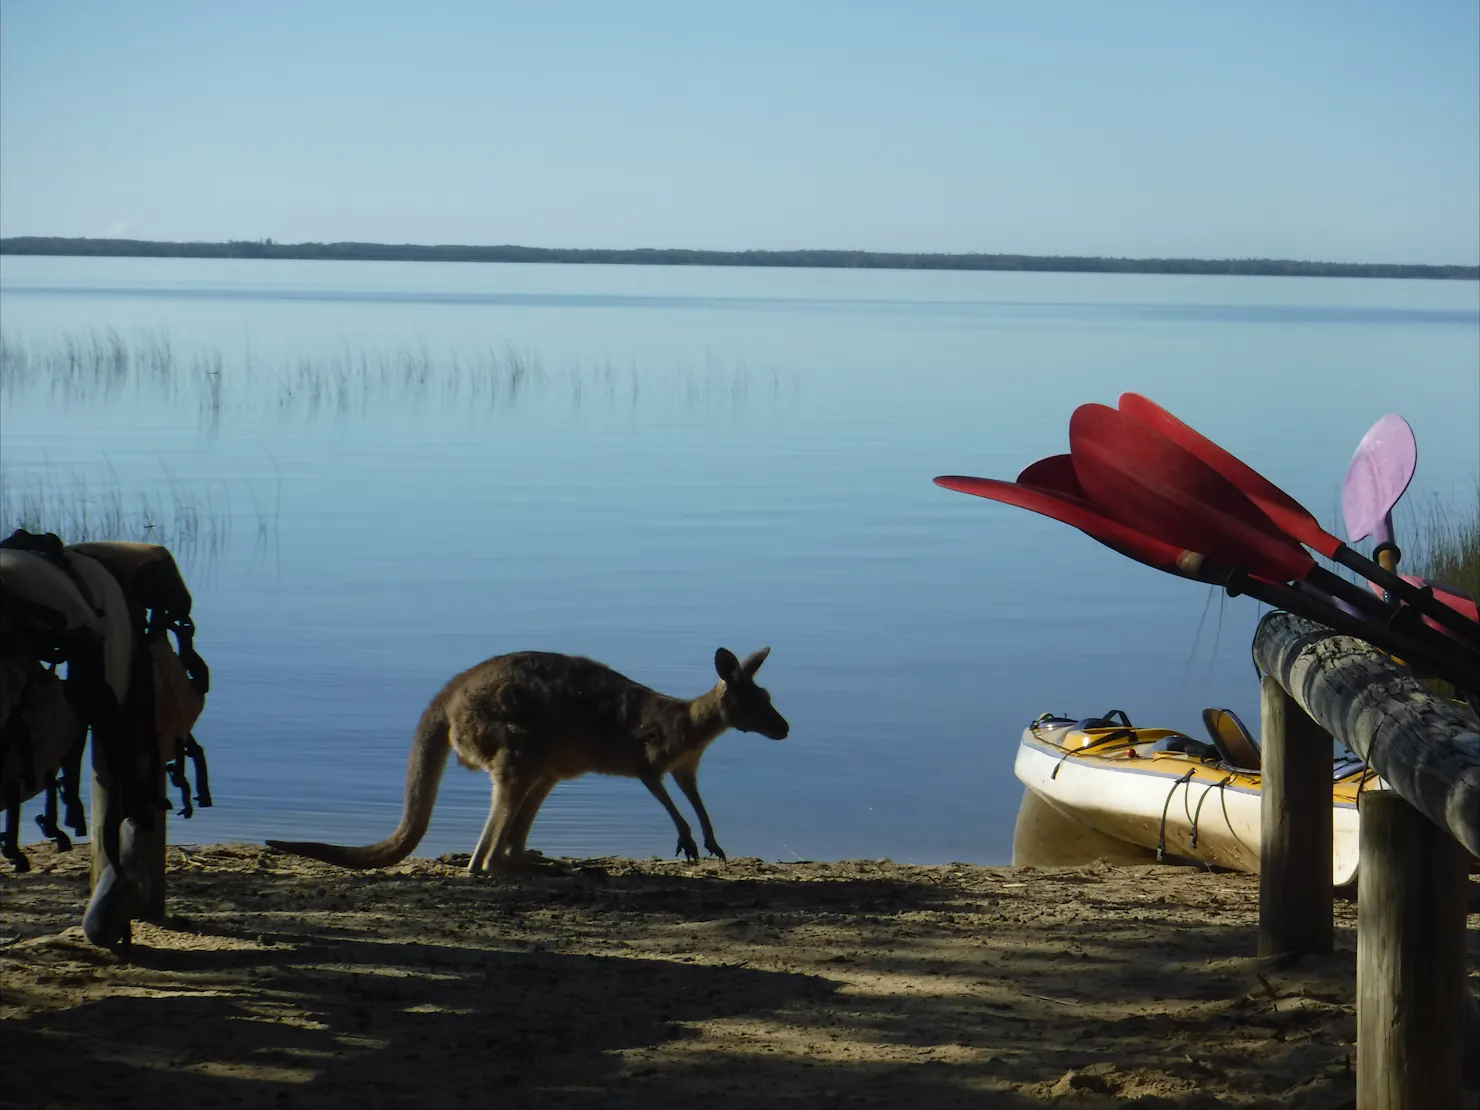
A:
<point x="1446" y="549"/>
<point x="93" y="365"/>
<point x="192" y="523"/>
<point x="347" y="383"/>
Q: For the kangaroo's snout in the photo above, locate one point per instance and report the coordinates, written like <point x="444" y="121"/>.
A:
<point x="757" y="717"/>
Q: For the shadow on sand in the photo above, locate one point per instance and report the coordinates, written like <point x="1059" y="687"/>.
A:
<point x="647" y="984"/>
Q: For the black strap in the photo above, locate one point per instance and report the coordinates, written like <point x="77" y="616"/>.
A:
<point x="47" y="819"/>
<point x="74" y="815"/>
<point x="195" y="666"/>
<point x="197" y="756"/>
<point x="176" y="769"/>
<point x="1197" y="814"/>
<point x="1098" y="742"/>
<point x="1161" y="838"/>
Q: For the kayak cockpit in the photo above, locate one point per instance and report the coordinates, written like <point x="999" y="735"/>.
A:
<point x="1113" y="736"/>
<point x="1107" y="738"/>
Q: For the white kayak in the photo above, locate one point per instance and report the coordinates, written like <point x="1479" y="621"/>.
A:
<point x="1101" y="787"/>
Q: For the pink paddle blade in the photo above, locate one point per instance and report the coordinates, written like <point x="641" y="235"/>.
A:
<point x="1380" y="470"/>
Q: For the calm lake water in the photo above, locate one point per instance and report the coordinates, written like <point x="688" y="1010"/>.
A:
<point x="378" y="474"/>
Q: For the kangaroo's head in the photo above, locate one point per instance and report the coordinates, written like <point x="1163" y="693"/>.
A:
<point x="743" y="704"/>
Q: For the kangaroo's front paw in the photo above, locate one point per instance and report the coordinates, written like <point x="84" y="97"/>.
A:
<point x="715" y="849"/>
<point x="687" y="846"/>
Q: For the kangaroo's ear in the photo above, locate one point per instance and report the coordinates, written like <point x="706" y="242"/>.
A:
<point x="726" y="665"/>
<point x="753" y="662"/>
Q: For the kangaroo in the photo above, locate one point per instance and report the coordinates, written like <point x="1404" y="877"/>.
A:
<point x="533" y="718"/>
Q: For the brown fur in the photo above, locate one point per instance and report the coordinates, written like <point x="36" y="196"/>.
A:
<point x="533" y="718"/>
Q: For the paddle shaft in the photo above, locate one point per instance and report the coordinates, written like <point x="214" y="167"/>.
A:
<point x="1379" y="610"/>
<point x="1380" y="615"/>
<point x="1386" y="555"/>
<point x="1422" y="600"/>
<point x="1453" y="663"/>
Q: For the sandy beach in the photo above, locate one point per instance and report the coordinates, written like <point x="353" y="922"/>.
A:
<point x="284" y="983"/>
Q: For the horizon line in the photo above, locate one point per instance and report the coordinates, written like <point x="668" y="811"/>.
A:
<point x="812" y="257"/>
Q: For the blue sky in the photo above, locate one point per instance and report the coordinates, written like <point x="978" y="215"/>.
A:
<point x="1340" y="131"/>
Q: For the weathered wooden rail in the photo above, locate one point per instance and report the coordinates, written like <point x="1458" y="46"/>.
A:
<point x="1417" y="842"/>
<point x="1426" y="748"/>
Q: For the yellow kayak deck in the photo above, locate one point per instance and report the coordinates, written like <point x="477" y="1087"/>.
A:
<point x="1174" y="754"/>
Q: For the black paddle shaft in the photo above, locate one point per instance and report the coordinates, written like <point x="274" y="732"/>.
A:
<point x="1398" y="617"/>
<point x="1451" y="661"/>
<point x="1422" y="600"/>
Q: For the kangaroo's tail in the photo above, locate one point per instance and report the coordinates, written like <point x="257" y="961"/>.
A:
<point x="423" y="774"/>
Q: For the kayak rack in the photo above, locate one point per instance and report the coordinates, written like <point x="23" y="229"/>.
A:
<point x="1415" y="1019"/>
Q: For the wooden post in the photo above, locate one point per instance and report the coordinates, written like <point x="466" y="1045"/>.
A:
<point x="1295" y="818"/>
<point x="150" y="846"/>
<point x="1410" y="959"/>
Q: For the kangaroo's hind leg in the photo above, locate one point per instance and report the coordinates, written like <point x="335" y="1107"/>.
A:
<point x="510" y="788"/>
<point x="500" y="813"/>
<point x="485" y="838"/>
<point x="519" y="834"/>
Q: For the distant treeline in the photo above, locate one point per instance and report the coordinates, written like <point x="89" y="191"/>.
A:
<point x="857" y="260"/>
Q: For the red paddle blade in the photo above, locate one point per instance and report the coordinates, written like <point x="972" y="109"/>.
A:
<point x="1457" y="600"/>
<point x="1287" y="513"/>
<point x="1129" y="542"/>
<point x="1154" y="486"/>
<point x="1055" y="474"/>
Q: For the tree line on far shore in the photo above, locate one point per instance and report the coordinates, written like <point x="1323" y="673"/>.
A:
<point x="833" y="259"/>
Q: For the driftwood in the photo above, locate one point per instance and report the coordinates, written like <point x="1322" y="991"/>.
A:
<point x="1427" y="749"/>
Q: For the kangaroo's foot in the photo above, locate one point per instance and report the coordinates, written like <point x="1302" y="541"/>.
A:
<point x="687" y="846"/>
<point x="526" y="863"/>
<point x="713" y="848"/>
